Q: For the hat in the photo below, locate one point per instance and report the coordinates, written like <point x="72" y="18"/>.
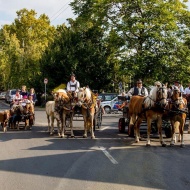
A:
<point x="72" y="74"/>
<point x="176" y="81"/>
<point x="139" y="81"/>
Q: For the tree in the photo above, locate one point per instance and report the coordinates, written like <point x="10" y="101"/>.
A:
<point x="32" y="35"/>
<point x="153" y="32"/>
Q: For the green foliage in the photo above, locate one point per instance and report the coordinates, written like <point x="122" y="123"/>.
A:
<point x="109" y="41"/>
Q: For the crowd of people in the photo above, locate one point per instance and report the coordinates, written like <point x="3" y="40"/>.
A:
<point x="139" y="89"/>
<point x="24" y="96"/>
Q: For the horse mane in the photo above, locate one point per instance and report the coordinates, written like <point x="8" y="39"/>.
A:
<point x="151" y="98"/>
<point x="88" y="93"/>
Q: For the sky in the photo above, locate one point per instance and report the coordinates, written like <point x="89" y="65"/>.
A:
<point x="57" y="10"/>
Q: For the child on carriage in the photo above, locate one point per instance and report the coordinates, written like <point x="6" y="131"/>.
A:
<point x="16" y="98"/>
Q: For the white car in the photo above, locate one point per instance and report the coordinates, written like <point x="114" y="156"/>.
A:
<point x="2" y="95"/>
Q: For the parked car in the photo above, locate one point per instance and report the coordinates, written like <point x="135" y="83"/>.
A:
<point x="109" y="101"/>
<point x="2" y="95"/>
<point x="9" y="95"/>
<point x="107" y="96"/>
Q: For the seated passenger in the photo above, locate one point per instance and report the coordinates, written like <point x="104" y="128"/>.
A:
<point x="16" y="98"/>
<point x="24" y="92"/>
<point x="33" y="94"/>
<point x="30" y="99"/>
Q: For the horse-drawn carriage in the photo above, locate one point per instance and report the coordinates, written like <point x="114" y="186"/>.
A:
<point x="69" y="106"/>
<point x="22" y="115"/>
<point x="123" y="123"/>
<point x="159" y="112"/>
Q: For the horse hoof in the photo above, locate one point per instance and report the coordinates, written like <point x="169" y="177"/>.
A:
<point x="188" y="132"/>
<point x="84" y="136"/>
<point x="72" y="136"/>
<point x="93" y="137"/>
<point x="171" y="144"/>
<point x="182" y="145"/>
<point x="164" y="145"/>
<point x="147" y="145"/>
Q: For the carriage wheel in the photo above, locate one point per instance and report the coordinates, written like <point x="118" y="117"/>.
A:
<point x="99" y="118"/>
<point x="121" y="125"/>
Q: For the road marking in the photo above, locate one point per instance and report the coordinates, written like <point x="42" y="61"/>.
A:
<point x="108" y="155"/>
<point x="102" y="129"/>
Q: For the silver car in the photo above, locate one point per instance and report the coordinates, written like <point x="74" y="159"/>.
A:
<point x="9" y="95"/>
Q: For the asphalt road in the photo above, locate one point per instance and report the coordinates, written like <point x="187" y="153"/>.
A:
<point x="34" y="160"/>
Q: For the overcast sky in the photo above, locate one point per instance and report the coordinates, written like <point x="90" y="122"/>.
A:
<point x="57" y="10"/>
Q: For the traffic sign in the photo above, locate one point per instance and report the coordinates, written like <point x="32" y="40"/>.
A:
<point x="45" y="81"/>
<point x="120" y="85"/>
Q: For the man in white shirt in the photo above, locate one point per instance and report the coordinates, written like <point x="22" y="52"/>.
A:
<point x="187" y="90"/>
<point x="73" y="85"/>
<point x="138" y="90"/>
<point x="177" y="85"/>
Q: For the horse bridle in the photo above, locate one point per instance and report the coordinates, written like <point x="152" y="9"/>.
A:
<point x="160" y="98"/>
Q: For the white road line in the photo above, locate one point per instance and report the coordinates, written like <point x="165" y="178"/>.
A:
<point x="102" y="129"/>
<point x="108" y="155"/>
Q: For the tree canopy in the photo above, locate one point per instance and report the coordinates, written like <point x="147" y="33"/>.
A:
<point x="108" y="42"/>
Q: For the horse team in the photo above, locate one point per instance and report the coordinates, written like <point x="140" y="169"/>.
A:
<point x="63" y="109"/>
<point x="151" y="108"/>
<point x="15" y="115"/>
<point x="156" y="106"/>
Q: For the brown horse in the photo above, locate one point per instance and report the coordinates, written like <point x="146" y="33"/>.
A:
<point x="177" y="113"/>
<point x="87" y="101"/>
<point x="148" y="108"/>
<point x="16" y="113"/>
<point x="28" y="112"/>
<point x="187" y="96"/>
<point x="4" y="118"/>
<point x="65" y="108"/>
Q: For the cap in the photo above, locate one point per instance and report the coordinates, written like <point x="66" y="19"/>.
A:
<point x="139" y="81"/>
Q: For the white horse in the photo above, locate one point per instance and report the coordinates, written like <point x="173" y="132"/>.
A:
<point x="51" y="116"/>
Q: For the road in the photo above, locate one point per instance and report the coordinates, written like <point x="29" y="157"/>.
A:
<point x="34" y="160"/>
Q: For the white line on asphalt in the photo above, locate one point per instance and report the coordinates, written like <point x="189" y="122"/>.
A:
<point x="102" y="129"/>
<point x="108" y="155"/>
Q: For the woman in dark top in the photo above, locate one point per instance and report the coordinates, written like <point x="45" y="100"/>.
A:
<point x="24" y="93"/>
<point x="32" y="93"/>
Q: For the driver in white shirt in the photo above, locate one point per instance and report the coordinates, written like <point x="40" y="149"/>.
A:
<point x="73" y="85"/>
